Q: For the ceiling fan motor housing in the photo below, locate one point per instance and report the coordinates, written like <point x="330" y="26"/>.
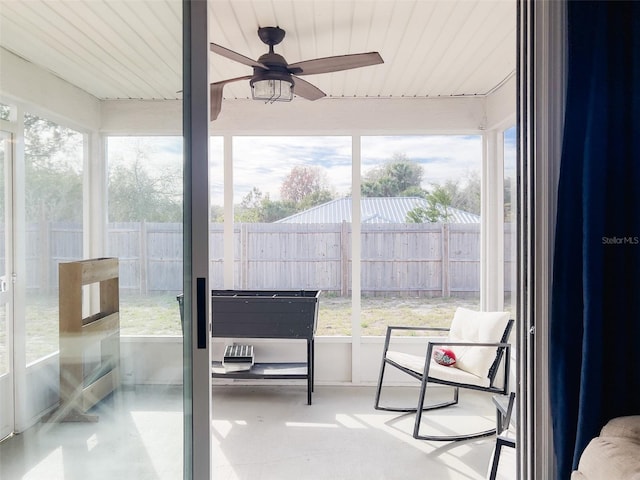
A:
<point x="271" y="35"/>
<point x="273" y="61"/>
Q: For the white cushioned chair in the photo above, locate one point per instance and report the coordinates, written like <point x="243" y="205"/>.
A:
<point x="479" y="341"/>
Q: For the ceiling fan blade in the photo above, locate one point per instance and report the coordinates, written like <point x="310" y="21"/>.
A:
<point x="304" y="89"/>
<point x="235" y="56"/>
<point x="335" y="64"/>
<point x="215" y="94"/>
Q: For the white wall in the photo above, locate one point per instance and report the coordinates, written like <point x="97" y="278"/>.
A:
<point x="158" y="360"/>
<point x="141" y="117"/>
<point x="302" y="117"/>
<point x="501" y="106"/>
<point x="27" y="83"/>
<point x="334" y="116"/>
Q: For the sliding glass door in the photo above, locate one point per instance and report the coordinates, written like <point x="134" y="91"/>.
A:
<point x="54" y="205"/>
<point x="6" y="345"/>
<point x="197" y="305"/>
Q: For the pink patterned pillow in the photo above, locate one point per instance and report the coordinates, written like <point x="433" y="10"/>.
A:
<point x="444" y="356"/>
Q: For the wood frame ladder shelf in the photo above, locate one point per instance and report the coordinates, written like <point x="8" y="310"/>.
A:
<point x="81" y="389"/>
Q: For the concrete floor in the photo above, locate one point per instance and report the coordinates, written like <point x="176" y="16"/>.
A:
<point x="263" y="432"/>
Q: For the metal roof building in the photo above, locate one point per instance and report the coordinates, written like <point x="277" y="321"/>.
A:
<point x="374" y="210"/>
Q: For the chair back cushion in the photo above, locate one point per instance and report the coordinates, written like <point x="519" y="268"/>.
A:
<point x="481" y="327"/>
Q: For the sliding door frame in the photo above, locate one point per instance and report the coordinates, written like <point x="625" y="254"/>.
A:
<point x="541" y="98"/>
<point x="197" y="308"/>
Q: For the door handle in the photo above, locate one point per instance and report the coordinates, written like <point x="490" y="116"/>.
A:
<point x="201" y="313"/>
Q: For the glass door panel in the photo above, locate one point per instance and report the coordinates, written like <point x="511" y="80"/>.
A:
<point x="510" y="237"/>
<point x="420" y="229"/>
<point x="53" y="158"/>
<point x="63" y="183"/>
<point x="6" y="377"/>
<point x="292" y="223"/>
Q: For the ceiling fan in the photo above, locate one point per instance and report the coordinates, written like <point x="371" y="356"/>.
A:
<point x="274" y="80"/>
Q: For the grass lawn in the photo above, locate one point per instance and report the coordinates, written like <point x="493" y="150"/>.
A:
<point x="378" y="312"/>
<point x="159" y="314"/>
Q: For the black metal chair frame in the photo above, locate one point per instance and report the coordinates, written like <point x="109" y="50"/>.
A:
<point x="500" y="443"/>
<point x="503" y="419"/>
<point x="504" y="412"/>
<point x="503" y="352"/>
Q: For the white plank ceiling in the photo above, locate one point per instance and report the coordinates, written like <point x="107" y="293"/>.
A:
<point x="117" y="49"/>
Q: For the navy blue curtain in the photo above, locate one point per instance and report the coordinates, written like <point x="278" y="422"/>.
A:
<point x="595" y="312"/>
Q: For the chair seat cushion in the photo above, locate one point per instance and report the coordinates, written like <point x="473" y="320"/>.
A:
<point x="436" y="371"/>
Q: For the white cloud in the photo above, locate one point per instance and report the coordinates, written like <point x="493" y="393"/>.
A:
<point x="264" y="162"/>
<point x="160" y="153"/>
<point x="442" y="156"/>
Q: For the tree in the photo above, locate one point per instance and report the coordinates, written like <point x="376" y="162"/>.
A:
<point x="315" y="198"/>
<point x="248" y="211"/>
<point x="509" y="208"/>
<point x="53" y="175"/>
<point x="216" y="213"/>
<point x="53" y="171"/>
<point x="301" y="182"/>
<point x="467" y="198"/>
<point x="137" y="193"/>
<point x="256" y="207"/>
<point x="393" y="179"/>
<point x="437" y="210"/>
<point x="449" y="194"/>
<point x="415" y="192"/>
<point x="272" y="210"/>
<point x="303" y="188"/>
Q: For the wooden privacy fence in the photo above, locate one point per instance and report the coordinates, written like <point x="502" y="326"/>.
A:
<point x="416" y="259"/>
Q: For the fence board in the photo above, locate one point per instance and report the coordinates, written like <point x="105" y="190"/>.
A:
<point x="398" y="259"/>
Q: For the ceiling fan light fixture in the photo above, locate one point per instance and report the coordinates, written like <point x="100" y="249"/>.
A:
<point x="274" y="79"/>
<point x="271" y="90"/>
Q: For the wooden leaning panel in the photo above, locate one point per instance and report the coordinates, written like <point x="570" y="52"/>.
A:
<point x="82" y="383"/>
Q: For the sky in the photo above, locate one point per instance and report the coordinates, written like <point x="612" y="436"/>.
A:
<point x="264" y="162"/>
<point x="510" y="152"/>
